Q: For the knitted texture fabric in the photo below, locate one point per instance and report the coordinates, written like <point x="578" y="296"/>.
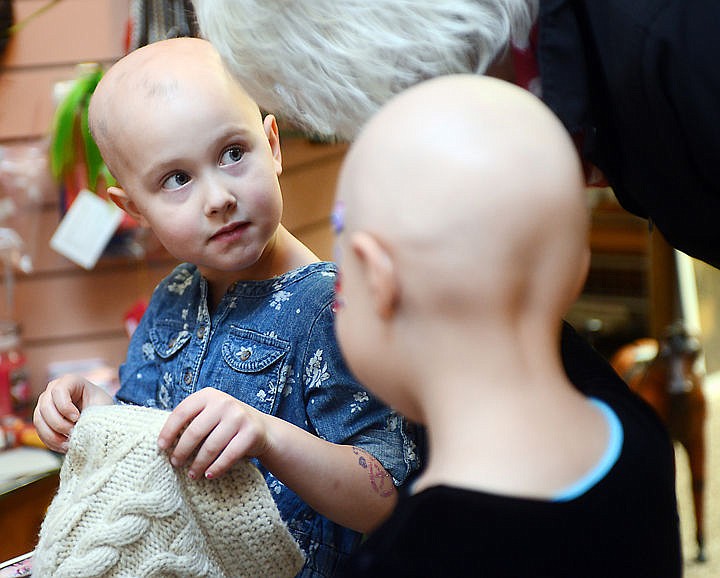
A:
<point x="122" y="510"/>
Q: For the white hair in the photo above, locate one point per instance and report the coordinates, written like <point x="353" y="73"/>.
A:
<point x="328" y="65"/>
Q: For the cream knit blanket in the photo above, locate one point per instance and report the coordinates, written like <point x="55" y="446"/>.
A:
<point x="122" y="510"/>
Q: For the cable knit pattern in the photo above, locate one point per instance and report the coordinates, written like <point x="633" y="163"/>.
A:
<point x="122" y="510"/>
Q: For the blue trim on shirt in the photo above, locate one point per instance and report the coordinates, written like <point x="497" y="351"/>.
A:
<point x="606" y="462"/>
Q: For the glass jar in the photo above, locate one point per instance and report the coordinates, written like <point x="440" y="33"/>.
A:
<point x="14" y="382"/>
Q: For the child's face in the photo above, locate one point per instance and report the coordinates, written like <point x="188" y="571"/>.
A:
<point x="202" y="172"/>
<point x="365" y="300"/>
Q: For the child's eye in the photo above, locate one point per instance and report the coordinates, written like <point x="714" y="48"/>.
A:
<point x="175" y="181"/>
<point x="231" y="156"/>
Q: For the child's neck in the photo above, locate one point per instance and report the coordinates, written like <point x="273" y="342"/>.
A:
<point x="528" y="439"/>
<point x="283" y="254"/>
<point x="501" y="416"/>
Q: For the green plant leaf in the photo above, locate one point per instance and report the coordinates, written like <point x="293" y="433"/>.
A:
<point x="71" y="115"/>
<point x="93" y="159"/>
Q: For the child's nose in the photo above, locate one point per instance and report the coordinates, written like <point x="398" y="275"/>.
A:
<point x="219" y="199"/>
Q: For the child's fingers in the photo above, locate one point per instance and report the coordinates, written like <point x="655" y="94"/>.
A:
<point x="205" y="423"/>
<point x="57" y="410"/>
<point x="53" y="440"/>
<point x="216" y="444"/>
<point x="60" y="395"/>
<point x="230" y="441"/>
<point x="52" y="427"/>
<point x="234" y="451"/>
<point x="183" y="414"/>
<point x="194" y="436"/>
<point x="59" y="406"/>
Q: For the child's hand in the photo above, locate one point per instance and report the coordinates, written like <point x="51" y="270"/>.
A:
<point x="220" y="429"/>
<point x="59" y="407"/>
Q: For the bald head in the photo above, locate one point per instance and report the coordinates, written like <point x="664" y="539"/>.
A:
<point x="477" y="191"/>
<point x="153" y="76"/>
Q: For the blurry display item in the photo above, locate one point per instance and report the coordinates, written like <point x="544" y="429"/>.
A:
<point x="24" y="176"/>
<point x="6" y="21"/>
<point x="614" y="306"/>
<point x="86" y="229"/>
<point x="665" y="373"/>
<point x="14" y="382"/>
<point x="153" y="20"/>
<point x="133" y="315"/>
<point x="18" y="566"/>
<point x="13" y="256"/>
<point x="78" y="168"/>
<point x="15" y="431"/>
<point x="94" y="369"/>
<point x="75" y="160"/>
<point x="25" y="182"/>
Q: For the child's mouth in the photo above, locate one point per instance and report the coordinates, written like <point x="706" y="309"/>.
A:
<point x="231" y="232"/>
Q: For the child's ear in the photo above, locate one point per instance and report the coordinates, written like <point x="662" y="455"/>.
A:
<point x="273" y="136"/>
<point x="121" y="199"/>
<point x="379" y="270"/>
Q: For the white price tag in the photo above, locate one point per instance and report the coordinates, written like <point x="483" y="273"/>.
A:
<point x="86" y="229"/>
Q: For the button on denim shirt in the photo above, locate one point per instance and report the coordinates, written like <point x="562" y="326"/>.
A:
<point x="270" y="344"/>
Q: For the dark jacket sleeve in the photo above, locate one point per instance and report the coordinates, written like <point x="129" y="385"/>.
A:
<point x="640" y="81"/>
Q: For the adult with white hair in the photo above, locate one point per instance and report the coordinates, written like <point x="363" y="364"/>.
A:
<point x="636" y="81"/>
<point x="329" y="65"/>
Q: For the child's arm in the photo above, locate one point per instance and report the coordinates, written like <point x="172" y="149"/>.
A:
<point x="59" y="407"/>
<point x="343" y="483"/>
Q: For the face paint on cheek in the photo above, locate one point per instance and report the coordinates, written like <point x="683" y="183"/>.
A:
<point x="338" y="302"/>
<point x="337" y="219"/>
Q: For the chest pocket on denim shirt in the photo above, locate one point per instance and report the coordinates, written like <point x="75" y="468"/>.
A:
<point x="257" y="360"/>
<point x="168" y="338"/>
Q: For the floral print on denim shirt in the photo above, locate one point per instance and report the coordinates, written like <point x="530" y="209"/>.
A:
<point x="272" y="345"/>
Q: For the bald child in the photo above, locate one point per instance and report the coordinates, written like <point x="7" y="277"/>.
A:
<point x="238" y="341"/>
<point x="462" y="242"/>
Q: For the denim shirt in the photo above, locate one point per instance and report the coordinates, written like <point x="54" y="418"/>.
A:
<point x="270" y="344"/>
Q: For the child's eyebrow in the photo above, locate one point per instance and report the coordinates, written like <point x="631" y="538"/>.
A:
<point x="337" y="217"/>
<point x="159" y="169"/>
<point x="232" y="130"/>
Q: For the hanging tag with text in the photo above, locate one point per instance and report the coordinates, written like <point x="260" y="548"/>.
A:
<point x="86" y="229"/>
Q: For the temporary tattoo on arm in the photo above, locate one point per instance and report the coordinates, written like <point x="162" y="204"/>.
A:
<point x="380" y="480"/>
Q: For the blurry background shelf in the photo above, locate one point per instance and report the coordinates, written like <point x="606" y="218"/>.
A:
<point x="64" y="311"/>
